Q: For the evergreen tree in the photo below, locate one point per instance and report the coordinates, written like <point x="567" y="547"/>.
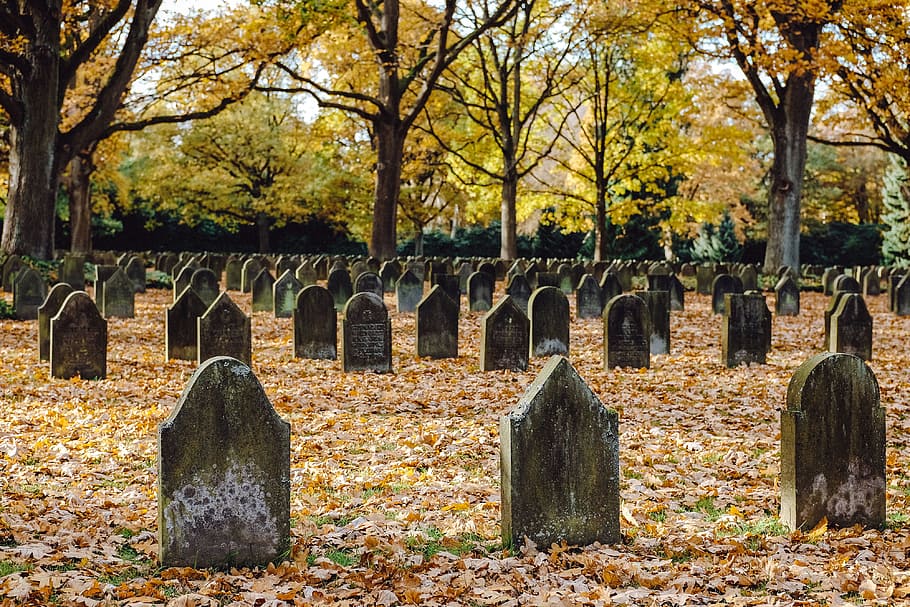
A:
<point x="717" y="243"/>
<point x="896" y="215"/>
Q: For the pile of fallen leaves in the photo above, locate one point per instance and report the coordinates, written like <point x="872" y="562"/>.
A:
<point x="395" y="477"/>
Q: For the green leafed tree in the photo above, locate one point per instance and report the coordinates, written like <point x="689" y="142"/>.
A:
<point x="717" y="243"/>
<point x="896" y="215"/>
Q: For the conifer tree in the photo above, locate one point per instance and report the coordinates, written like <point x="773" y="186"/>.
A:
<point x="896" y="215"/>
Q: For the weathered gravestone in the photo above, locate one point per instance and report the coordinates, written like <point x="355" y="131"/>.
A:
<point x="833" y="303"/>
<point x="543" y="279"/>
<point x="390" y="272"/>
<point x="315" y="324"/>
<point x="118" y="300"/>
<point x="519" y="290"/>
<point x="844" y="283"/>
<point x="369" y="282"/>
<point x="306" y="274"/>
<point x="180" y="326"/>
<point x="183" y="279"/>
<point x="901" y="297"/>
<point x="723" y="284"/>
<point x="559" y="463"/>
<point x="224" y="482"/>
<point x="205" y="283"/>
<point x="786" y="297"/>
<point x="29" y="292"/>
<point x="659" y="282"/>
<point x="832" y="445"/>
<point x="366" y="335"/>
<point x="263" y="292"/>
<point x="627" y="333"/>
<point x="749" y="277"/>
<point x="566" y="283"/>
<point x="548" y="317"/>
<point x="135" y="270"/>
<point x="487" y="268"/>
<point x="102" y="273"/>
<point x="504" y="338"/>
<point x="51" y="306"/>
<point x="12" y="265"/>
<point x="851" y="327"/>
<point x="449" y="284"/>
<point x="746" y="329"/>
<point x="588" y="300"/>
<point x="677" y="294"/>
<point x="408" y="291"/>
<point x="72" y="271"/>
<point x="357" y="268"/>
<point x="610" y="287"/>
<point x="251" y="269"/>
<point x="437" y="325"/>
<point x="339" y="285"/>
<point x="284" y="294"/>
<point x="465" y="269"/>
<point x="224" y="330"/>
<point x="704" y="278"/>
<point x="871" y="284"/>
<point x="828" y="278"/>
<point x="78" y="339"/>
<point x="233" y="274"/>
<point x="658" y="303"/>
<point x="480" y="291"/>
<point x="286" y="263"/>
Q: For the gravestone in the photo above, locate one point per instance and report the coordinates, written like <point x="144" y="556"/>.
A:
<point x="832" y="445"/>
<point x="851" y="327"/>
<point x="286" y="263"/>
<point x="723" y="284"/>
<point x="677" y="294"/>
<point x="844" y="283"/>
<point x="871" y="284"/>
<point x="532" y="274"/>
<point x="357" y="268"/>
<point x="704" y="278"/>
<point x="102" y="273"/>
<point x="564" y="272"/>
<point x="78" y="339"/>
<point x="183" y="279"/>
<point x="786" y="297"/>
<point x="519" y="290"/>
<point x="480" y="291"/>
<point x="366" y="335"/>
<point x="449" y="284"/>
<point x="369" y="282"/>
<point x="465" y="269"/>
<point x="205" y="283"/>
<point x="233" y="274"/>
<point x="224" y="330"/>
<point x="251" y="269"/>
<point x="339" y="285"/>
<point x="659" y="282"/>
<point x="901" y="298"/>
<point x="828" y="278"/>
<point x="505" y="337"/>
<point x="119" y="297"/>
<point x="488" y="268"/>
<point x="544" y="279"/>
<point x="610" y="287"/>
<point x="419" y="270"/>
<point x="559" y="463"/>
<point x="588" y="302"/>
<point x="135" y="270"/>
<point x="624" y="274"/>
<point x="658" y="303"/>
<point x="72" y="271"/>
<point x="315" y="324"/>
<point x="180" y="325"/>
<point x="749" y="277"/>
<point x="833" y="303"/>
<point x="306" y="274"/>
<point x="263" y="291"/>
<point x="746" y="329"/>
<point x="29" y="292"/>
<point x="12" y="265"/>
<point x="48" y="309"/>
<point x="390" y="272"/>
<point x="224" y="482"/>
<point x="408" y="291"/>
<point x="627" y="333"/>
<point x="548" y="317"/>
<point x="165" y="263"/>
<point x="284" y="294"/>
<point x="437" y="325"/>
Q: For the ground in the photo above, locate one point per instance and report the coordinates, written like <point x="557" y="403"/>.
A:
<point x="395" y="477"/>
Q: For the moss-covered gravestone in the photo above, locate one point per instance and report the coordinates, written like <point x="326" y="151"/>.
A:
<point x="284" y="294"/>
<point x="315" y="324"/>
<point x="29" y="292"/>
<point x="263" y="291"/>
<point x="437" y="325"/>
<point x="851" y="327"/>
<point x="366" y="333"/>
<point x="408" y="291"/>
<point x="723" y="284"/>
<point x="588" y="300"/>
<point x="746" y="329"/>
<point x="47" y="310"/>
<point x="627" y="333"/>
<point x="480" y="291"/>
<point x="78" y="339"/>
<point x="832" y="445"/>
<point x="339" y="285"/>
<point x="786" y="296"/>
<point x="180" y="322"/>
<point x="519" y="289"/>
<point x="559" y="463"/>
<point x="224" y="330"/>
<point x="505" y="337"/>
<point x="224" y="457"/>
<point x="548" y="316"/>
<point x="205" y="282"/>
<point x="119" y="297"/>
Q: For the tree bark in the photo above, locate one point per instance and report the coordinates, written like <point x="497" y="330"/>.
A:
<point x="390" y="148"/>
<point x="263" y="224"/>
<point x="77" y="182"/>
<point x="418" y="241"/>
<point x="509" y="241"/>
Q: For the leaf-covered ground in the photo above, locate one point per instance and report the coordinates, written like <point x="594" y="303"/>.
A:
<point x="395" y="478"/>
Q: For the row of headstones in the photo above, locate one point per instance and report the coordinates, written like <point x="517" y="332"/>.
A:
<point x="224" y="462"/>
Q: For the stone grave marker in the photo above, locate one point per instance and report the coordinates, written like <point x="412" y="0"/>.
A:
<point x="419" y="270"/>
<point x="119" y="297"/>
<point x="29" y="292"/>
<point x="102" y="273"/>
<point x="627" y="333"/>
<point x="233" y="273"/>
<point x="505" y="337"/>
<point x="408" y="291"/>
<point x="180" y="325"/>
<point x="78" y="339"/>
<point x="306" y="274"/>
<point x="851" y="327"/>
<point x="72" y="271"/>
<point x="723" y="284"/>
<point x="488" y="268"/>
<point x="828" y="278"/>
<point x="746" y="329"/>
<point x="658" y="303"/>
<point x="659" y="282"/>
<point x="224" y="330"/>
<point x="135" y="270"/>
<point x="548" y="317"/>
<point x="390" y="272"/>
<point x="588" y="302"/>
<point x="786" y="297"/>
<point x="12" y="265"/>
<point x="901" y="295"/>
<point x="610" y="287"/>
<point x="340" y="286"/>
<point x="284" y="294"/>
<point x="480" y="291"/>
<point x="832" y="445"/>
<point x="369" y="282"/>
<point x="465" y="269"/>
<point x="205" y="283"/>
<point x="519" y="290"/>
<point x="251" y="269"/>
<point x="286" y="263"/>
<point x="844" y="283"/>
<point x="704" y="278"/>
<point x="224" y="482"/>
<point x="677" y="294"/>
<point x="749" y="277"/>
<point x="559" y="463"/>
<point x="545" y="279"/>
<point x="315" y="324"/>
<point x="437" y="325"/>
<point x="263" y="291"/>
<point x="48" y="309"/>
<point x="564" y="272"/>
<point x="449" y="284"/>
<point x="871" y="284"/>
<point x="183" y="279"/>
<point x="366" y="333"/>
<point x="357" y="268"/>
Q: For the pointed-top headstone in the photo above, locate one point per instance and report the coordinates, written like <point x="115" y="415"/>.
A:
<point x="284" y="294"/>
<point x="437" y="325"/>
<point x="224" y="330"/>
<point x="205" y="282"/>
<point x="548" y="316"/>
<point x="505" y="337"/>
<point x="29" y="291"/>
<point x="408" y="291"/>
<point x="180" y="326"/>
<point x="118" y="300"/>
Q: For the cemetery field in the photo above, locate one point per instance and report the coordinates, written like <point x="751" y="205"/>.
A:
<point x="395" y="477"/>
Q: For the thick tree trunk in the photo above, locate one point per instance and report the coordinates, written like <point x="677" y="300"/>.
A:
<point x="79" y="189"/>
<point x="263" y="224"/>
<point x="600" y="221"/>
<point x="509" y="240"/>
<point x="418" y="242"/>
<point x="390" y="146"/>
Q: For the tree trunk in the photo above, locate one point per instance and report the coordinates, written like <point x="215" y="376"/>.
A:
<point x="418" y="241"/>
<point x="77" y="182"/>
<point x="390" y="147"/>
<point x="600" y="221"/>
<point x="263" y="223"/>
<point x="509" y="241"/>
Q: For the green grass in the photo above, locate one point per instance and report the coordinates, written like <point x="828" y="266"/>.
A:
<point x="710" y="510"/>
<point x="324" y="519"/>
<point x="658" y="516"/>
<point x="8" y="567"/>
<point x="897" y="520"/>
<point x="341" y="556"/>
<point x="435" y="542"/>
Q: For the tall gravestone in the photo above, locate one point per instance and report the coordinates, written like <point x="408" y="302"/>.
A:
<point x="315" y="324"/>
<point x="851" y="327"/>
<point x="251" y="269"/>
<point x="135" y="270"/>
<point x="658" y="303"/>
<point x="366" y="335"/>
<point x="505" y="337"/>
<point x="78" y="339"/>
<point x="588" y="300"/>
<point x="559" y="463"/>
<point x="832" y="445"/>
<point x="284" y="294"/>
<point x="519" y="290"/>
<point x="48" y="309"/>
<point x="102" y="273"/>
<point x="72" y="271"/>
<point x="437" y="325"/>
<point x="369" y="282"/>
<point x="723" y="284"/>
<point x="548" y="316"/>
<point x="627" y="333"/>
<point x="205" y="283"/>
<point x="29" y="292"/>
<point x="408" y="291"/>
<point x="746" y="329"/>
<point x="180" y="326"/>
<point x="786" y="297"/>
<point x="340" y="286"/>
<point x="118" y="300"/>
<point x="233" y="274"/>
<point x="224" y="330"/>
<point x="224" y="482"/>
<point x="480" y="291"/>
<point x="263" y="292"/>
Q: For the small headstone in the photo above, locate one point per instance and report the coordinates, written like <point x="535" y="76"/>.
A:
<point x="519" y="290"/>
<point x="658" y="303"/>
<point x="339" y="285"/>
<point x="588" y="301"/>
<point x="78" y="339"/>
<point x="723" y="284"/>
<point x="749" y="277"/>
<point x="832" y="445"/>
<point x="505" y="337"/>
<point x="564" y="272"/>
<point x="480" y="291"/>
<point x="610" y="287"/>
<point x="357" y="268"/>
<point x="263" y="291"/>
<point x="559" y="462"/>
<point x="369" y="282"/>
<point x="828" y="278"/>
<point x="548" y="316"/>
<point x="844" y="283"/>
<point x="704" y="278"/>
<point x="315" y="324"/>
<point x="183" y="279"/>
<point x="465" y="269"/>
<point x="871" y="284"/>
<point x="627" y="333"/>
<point x="224" y="482"/>
<point x="29" y="292"/>
<point x="366" y="333"/>
<point x="408" y="291"/>
<point x="286" y="263"/>
<point x="72" y="271"/>
<point x="901" y="297"/>
<point x="233" y="274"/>
<point x="851" y="327"/>
<point x="786" y="293"/>
<point x="51" y="306"/>
<point x="488" y="268"/>
<point x="437" y="325"/>
<point x="449" y="284"/>
<point x="306" y="274"/>
<point x="390" y="272"/>
<point x="284" y="294"/>
<point x="659" y="282"/>
<point x="251" y="269"/>
<point x="12" y="265"/>
<point x="224" y="330"/>
<point x="102" y="273"/>
<point x="677" y="294"/>
<point x="746" y="329"/>
<point x="180" y="325"/>
<point x="205" y="283"/>
<point x="135" y="270"/>
<point x="119" y="296"/>
<point x="543" y="279"/>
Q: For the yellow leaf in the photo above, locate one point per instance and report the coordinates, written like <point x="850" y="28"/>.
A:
<point x="819" y="530"/>
<point x="458" y="506"/>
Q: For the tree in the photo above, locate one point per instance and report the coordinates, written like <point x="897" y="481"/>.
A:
<point x="717" y="243"/>
<point x="896" y="216"/>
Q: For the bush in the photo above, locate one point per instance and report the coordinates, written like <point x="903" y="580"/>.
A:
<point x="844" y="244"/>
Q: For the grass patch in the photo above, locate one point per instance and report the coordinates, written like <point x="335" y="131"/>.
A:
<point x="897" y="520"/>
<point x="8" y="567"/>
<point x="435" y="541"/>
<point x="128" y="553"/>
<point x="342" y="557"/>
<point x="658" y="516"/>
<point x="325" y="519"/>
<point x="711" y="511"/>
